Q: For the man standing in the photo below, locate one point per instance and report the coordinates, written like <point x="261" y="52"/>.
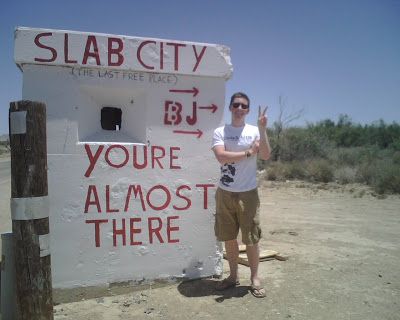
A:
<point x="236" y="147"/>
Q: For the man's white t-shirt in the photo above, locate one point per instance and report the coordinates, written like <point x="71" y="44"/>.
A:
<point x="238" y="176"/>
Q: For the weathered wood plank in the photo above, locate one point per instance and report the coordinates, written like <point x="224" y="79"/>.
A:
<point x="27" y="121"/>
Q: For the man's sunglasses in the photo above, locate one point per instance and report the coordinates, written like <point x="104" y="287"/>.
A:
<point x="237" y="105"/>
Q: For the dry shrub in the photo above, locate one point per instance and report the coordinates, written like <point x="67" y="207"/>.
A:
<point x="381" y="170"/>
<point x="320" y="170"/>
<point x="365" y="173"/>
<point x="281" y="171"/>
<point x="382" y="175"/>
<point x="387" y="178"/>
<point x="296" y="170"/>
<point x="275" y="171"/>
<point x="345" y="175"/>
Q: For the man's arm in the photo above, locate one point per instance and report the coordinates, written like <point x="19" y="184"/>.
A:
<point x="224" y="156"/>
<point x="264" y="148"/>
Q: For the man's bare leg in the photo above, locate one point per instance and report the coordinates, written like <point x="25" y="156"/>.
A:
<point x="253" y="255"/>
<point x="232" y="254"/>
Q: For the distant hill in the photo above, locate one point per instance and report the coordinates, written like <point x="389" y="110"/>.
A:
<point x="3" y="137"/>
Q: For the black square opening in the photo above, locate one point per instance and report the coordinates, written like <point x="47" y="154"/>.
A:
<point x="111" y="118"/>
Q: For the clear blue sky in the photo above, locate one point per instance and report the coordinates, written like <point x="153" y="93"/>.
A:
<point x="328" y="57"/>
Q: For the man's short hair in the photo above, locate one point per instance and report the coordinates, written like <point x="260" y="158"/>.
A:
<point x="239" y="95"/>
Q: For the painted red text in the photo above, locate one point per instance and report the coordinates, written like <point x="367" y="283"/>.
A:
<point x="139" y="157"/>
<point x="116" y="52"/>
<point x="157" y="198"/>
<point x="136" y="231"/>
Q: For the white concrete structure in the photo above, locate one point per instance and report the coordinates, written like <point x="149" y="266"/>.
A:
<point x="135" y="201"/>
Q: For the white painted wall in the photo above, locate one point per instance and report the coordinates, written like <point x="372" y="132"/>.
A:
<point x="74" y="96"/>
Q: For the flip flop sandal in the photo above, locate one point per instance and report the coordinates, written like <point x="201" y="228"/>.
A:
<point x="258" y="291"/>
<point x="226" y="284"/>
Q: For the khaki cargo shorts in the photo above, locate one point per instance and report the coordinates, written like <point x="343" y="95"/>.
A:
<point x="236" y="210"/>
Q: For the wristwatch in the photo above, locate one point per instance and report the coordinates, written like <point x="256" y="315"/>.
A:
<point x="248" y="154"/>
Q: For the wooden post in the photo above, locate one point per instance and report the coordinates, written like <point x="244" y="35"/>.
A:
<point x="7" y="276"/>
<point x="30" y="211"/>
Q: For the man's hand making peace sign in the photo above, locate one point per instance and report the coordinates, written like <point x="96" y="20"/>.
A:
<point x="262" y="118"/>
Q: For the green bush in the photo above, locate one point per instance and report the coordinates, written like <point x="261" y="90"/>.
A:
<point x="395" y="145"/>
<point x="343" y="151"/>
<point x="383" y="175"/>
<point x="396" y="157"/>
<point x="369" y="154"/>
<point x="345" y="157"/>
<point x="297" y="144"/>
<point x="346" y="133"/>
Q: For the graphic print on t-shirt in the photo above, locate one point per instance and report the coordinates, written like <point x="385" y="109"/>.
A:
<point x="228" y="172"/>
<point x="241" y="175"/>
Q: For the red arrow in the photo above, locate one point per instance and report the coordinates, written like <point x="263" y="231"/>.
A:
<point x="195" y="91"/>
<point x="198" y="132"/>
<point x="213" y="107"/>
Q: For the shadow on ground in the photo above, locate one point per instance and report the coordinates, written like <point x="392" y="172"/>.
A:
<point x="206" y="287"/>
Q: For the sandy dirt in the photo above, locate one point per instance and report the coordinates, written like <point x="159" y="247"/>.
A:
<point x="344" y="261"/>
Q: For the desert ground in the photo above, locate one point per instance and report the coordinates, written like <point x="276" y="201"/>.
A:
<point x="343" y="249"/>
